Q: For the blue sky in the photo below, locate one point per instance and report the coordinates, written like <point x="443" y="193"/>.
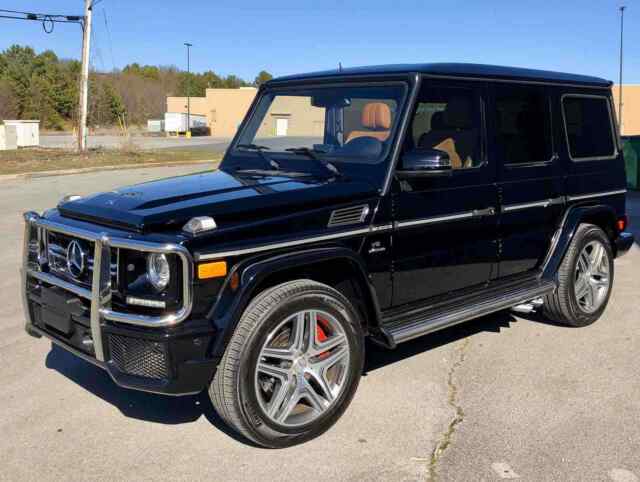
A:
<point x="288" y="36"/>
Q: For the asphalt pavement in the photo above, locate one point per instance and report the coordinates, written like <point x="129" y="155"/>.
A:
<point x="494" y="398"/>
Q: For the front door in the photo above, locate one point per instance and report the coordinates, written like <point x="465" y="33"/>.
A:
<point x="530" y="176"/>
<point x="445" y="232"/>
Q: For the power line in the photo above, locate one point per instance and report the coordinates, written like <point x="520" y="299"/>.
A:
<point x="106" y="26"/>
<point x="48" y="20"/>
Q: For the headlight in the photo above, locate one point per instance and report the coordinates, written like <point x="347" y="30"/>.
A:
<point x="158" y="271"/>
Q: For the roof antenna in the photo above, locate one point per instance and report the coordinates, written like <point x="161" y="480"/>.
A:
<point x="339" y="66"/>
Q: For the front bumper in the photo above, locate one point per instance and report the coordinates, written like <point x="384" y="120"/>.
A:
<point x="159" y="354"/>
<point x="623" y="243"/>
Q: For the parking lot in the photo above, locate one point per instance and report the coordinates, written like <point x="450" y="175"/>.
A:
<point x="500" y="397"/>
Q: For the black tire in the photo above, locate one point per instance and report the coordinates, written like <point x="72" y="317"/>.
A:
<point x="561" y="306"/>
<point x="232" y="390"/>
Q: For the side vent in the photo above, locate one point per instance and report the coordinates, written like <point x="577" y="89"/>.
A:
<point x="350" y="215"/>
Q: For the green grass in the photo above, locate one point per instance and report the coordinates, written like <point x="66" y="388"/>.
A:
<point x="39" y="160"/>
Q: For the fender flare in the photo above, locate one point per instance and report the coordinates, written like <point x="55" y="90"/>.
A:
<point x="229" y="305"/>
<point x="563" y="236"/>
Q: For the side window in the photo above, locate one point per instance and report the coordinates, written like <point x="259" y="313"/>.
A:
<point x="522" y="124"/>
<point x="448" y="119"/>
<point x="588" y="127"/>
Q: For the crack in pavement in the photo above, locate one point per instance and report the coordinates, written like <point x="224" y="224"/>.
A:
<point x="458" y="417"/>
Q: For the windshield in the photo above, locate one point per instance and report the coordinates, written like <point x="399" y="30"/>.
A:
<point x="324" y="124"/>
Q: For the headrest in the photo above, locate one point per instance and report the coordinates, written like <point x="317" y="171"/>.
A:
<point x="457" y="114"/>
<point x="376" y="116"/>
<point x="437" y="121"/>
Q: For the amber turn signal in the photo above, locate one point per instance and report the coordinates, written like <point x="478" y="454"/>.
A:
<point x="216" y="269"/>
<point x="622" y="223"/>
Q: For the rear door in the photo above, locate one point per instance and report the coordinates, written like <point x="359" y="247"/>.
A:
<point x="530" y="176"/>
<point x="446" y="228"/>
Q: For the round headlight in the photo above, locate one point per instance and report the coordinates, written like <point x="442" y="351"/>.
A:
<point x="158" y="271"/>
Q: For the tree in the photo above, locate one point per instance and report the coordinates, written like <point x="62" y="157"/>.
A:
<point x="262" y="77"/>
<point x="45" y="87"/>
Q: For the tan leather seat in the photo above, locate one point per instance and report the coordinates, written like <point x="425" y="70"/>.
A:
<point x="454" y="133"/>
<point x="376" y="120"/>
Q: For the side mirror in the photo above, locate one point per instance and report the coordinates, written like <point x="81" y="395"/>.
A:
<point x="423" y="163"/>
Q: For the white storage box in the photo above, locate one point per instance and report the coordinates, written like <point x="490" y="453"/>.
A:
<point x="8" y="138"/>
<point x="28" y="132"/>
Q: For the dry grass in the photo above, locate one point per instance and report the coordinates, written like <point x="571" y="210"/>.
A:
<point x="38" y="159"/>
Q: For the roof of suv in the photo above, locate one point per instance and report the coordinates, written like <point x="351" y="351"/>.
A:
<point x="458" y="70"/>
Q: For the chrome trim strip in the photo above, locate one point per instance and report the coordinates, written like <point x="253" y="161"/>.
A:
<point x="100" y="294"/>
<point x="345" y="234"/>
<point x="284" y="244"/>
<point x="24" y="271"/>
<point x="55" y="281"/>
<point x="436" y="219"/>
<point x="596" y="194"/>
<point x="381" y="227"/>
<point x="534" y="204"/>
<point x="566" y="131"/>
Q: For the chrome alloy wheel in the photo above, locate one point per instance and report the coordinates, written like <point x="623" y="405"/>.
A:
<point x="302" y="368"/>
<point x="591" y="284"/>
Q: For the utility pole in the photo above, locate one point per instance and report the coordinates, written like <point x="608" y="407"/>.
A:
<point x="188" y="45"/>
<point x="84" y="76"/>
<point x="622" y="8"/>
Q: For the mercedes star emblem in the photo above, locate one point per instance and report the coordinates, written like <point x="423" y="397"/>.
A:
<point x="76" y="259"/>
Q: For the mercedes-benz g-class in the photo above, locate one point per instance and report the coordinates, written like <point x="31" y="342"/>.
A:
<point x="381" y="203"/>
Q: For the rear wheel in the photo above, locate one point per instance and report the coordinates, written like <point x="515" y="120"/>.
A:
<point x="585" y="279"/>
<point x="292" y="365"/>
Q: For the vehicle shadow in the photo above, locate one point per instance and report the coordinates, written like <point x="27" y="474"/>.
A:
<point x="379" y="357"/>
<point x="149" y="407"/>
<point x="178" y="410"/>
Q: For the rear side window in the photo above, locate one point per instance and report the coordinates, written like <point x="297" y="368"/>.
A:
<point x="523" y="126"/>
<point x="588" y="127"/>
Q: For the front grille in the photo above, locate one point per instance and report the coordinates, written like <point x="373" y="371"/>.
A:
<point x="57" y="246"/>
<point x="139" y="357"/>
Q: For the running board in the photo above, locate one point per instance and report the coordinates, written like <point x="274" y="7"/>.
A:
<point x="418" y="324"/>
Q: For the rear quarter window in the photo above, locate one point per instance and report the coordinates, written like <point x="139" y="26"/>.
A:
<point x="588" y="126"/>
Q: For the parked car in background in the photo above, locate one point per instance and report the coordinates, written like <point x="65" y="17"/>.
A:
<point x="399" y="200"/>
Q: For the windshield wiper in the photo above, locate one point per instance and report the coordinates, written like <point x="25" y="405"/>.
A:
<point x="313" y="154"/>
<point x="260" y="150"/>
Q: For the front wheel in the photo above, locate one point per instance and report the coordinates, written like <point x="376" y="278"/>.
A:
<point x="585" y="279"/>
<point x="292" y="365"/>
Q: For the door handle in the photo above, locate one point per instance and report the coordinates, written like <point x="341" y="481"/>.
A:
<point x="490" y="211"/>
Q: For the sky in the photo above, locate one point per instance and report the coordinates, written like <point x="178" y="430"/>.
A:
<point x="293" y="36"/>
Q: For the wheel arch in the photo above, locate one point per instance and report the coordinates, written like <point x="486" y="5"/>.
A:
<point x="338" y="267"/>
<point x="601" y="215"/>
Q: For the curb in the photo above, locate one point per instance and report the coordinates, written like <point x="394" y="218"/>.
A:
<point x="85" y="170"/>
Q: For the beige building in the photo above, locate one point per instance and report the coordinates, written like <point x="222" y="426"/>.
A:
<point x="223" y="108"/>
<point x="630" y="108"/>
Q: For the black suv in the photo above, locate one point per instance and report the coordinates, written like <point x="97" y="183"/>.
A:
<point x="382" y="203"/>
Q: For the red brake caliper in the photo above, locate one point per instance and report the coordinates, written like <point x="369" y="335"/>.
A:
<point x="321" y="334"/>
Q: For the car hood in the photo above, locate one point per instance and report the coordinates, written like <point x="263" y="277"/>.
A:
<point x="228" y="197"/>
